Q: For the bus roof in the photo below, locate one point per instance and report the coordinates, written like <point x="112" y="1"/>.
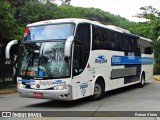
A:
<point x="79" y="20"/>
<point x="55" y="21"/>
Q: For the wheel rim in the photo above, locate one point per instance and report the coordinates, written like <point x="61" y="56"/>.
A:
<point x="97" y="90"/>
<point x="142" y="82"/>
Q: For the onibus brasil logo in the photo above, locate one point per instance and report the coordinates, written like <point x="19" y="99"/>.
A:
<point x="101" y="59"/>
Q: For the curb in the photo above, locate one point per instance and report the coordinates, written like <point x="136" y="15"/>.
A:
<point x="8" y="91"/>
<point x="156" y="78"/>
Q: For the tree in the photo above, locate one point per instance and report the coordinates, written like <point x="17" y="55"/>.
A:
<point x="37" y="11"/>
<point x="18" y="5"/>
<point x="153" y="16"/>
<point x="7" y="22"/>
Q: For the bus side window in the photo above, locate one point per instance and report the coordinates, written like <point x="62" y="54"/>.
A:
<point x="108" y="44"/>
<point x="148" y="50"/>
<point x="95" y="38"/>
<point x="100" y="38"/>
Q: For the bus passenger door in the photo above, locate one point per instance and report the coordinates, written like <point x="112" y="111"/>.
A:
<point x="81" y="74"/>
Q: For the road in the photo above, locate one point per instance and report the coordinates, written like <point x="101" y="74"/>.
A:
<point x="124" y="99"/>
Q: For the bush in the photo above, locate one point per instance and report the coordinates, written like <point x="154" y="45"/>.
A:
<point x="156" y="69"/>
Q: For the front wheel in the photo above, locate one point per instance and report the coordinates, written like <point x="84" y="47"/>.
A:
<point x="141" y="84"/>
<point x="98" y="90"/>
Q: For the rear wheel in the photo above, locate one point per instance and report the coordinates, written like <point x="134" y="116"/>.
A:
<point x="98" y="90"/>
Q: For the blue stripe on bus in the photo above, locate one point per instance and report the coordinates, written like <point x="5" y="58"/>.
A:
<point x="26" y="81"/>
<point x="118" y="60"/>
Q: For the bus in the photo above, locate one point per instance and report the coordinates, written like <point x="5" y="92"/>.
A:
<point x="71" y="58"/>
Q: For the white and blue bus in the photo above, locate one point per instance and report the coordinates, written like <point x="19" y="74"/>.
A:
<point x="69" y="59"/>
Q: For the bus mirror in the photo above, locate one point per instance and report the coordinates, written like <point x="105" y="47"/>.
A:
<point x="8" y="47"/>
<point x="68" y="46"/>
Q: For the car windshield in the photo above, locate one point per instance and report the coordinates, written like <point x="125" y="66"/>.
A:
<point x="49" y="32"/>
<point x="44" y="59"/>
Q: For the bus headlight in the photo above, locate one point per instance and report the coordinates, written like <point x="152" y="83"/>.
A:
<point x="20" y="85"/>
<point x="61" y="87"/>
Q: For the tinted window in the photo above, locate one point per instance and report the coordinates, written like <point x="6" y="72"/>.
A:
<point x="111" y="40"/>
<point x="98" y="38"/>
<point x="145" y="46"/>
<point x="81" y="48"/>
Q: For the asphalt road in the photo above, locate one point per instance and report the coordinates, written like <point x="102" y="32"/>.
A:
<point x="124" y="99"/>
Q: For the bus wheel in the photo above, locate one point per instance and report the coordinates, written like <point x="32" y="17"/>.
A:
<point x="98" y="90"/>
<point x="141" y="84"/>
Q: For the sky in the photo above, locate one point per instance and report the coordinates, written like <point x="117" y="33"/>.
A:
<point x="124" y="8"/>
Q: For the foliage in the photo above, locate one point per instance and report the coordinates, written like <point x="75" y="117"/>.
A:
<point x="156" y="68"/>
<point x="7" y="21"/>
<point x="36" y="11"/>
<point x="149" y="13"/>
<point x="153" y="15"/>
<point x="16" y="14"/>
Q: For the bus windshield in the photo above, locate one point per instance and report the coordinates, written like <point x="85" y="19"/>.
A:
<point x="49" y="32"/>
<point x="44" y="59"/>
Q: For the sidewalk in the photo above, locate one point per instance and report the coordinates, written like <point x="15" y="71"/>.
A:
<point x="7" y="91"/>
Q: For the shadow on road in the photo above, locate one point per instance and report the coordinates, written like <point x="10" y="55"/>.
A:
<point x="60" y="104"/>
<point x="123" y="90"/>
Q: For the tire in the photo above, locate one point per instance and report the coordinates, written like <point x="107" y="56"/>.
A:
<point x="99" y="90"/>
<point x="142" y="83"/>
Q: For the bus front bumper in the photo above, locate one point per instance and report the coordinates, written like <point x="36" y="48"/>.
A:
<point x="46" y="94"/>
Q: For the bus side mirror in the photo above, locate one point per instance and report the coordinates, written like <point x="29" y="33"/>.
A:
<point x="8" y="47"/>
<point x="68" y="46"/>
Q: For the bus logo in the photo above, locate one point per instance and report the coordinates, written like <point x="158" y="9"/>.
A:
<point x="116" y="59"/>
<point x="38" y="86"/>
<point x="84" y="85"/>
<point x="101" y="59"/>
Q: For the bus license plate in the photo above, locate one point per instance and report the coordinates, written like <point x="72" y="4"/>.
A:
<point x="38" y="95"/>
